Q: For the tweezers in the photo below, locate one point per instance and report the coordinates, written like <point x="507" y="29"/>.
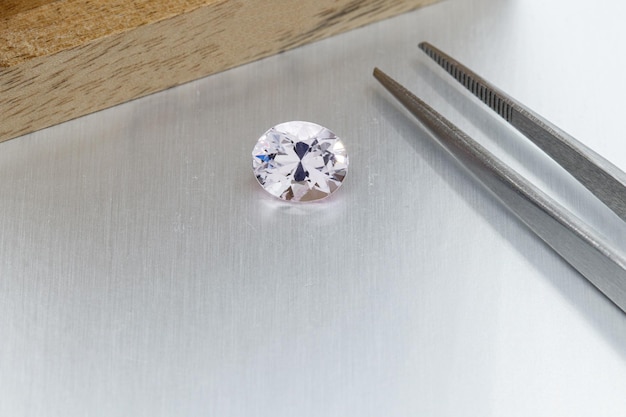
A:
<point x="578" y="243"/>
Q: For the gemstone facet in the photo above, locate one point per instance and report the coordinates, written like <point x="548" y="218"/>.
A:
<point x="299" y="161"/>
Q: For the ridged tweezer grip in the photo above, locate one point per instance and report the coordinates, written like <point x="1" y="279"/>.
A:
<point x="472" y="81"/>
<point x="598" y="175"/>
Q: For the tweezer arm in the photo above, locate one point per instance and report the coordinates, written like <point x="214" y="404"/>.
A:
<point x="601" y="177"/>
<point x="579" y="245"/>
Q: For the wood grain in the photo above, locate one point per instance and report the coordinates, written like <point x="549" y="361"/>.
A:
<point x="67" y="58"/>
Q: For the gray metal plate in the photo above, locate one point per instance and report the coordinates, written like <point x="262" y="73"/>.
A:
<point x="144" y="272"/>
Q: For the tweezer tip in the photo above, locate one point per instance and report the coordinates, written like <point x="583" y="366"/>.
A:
<point x="384" y="79"/>
<point x="380" y="75"/>
<point x="424" y="46"/>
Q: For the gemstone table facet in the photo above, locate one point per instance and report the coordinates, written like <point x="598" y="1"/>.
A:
<point x="299" y="161"/>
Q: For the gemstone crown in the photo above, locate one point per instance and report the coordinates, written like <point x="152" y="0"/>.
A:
<point x="299" y="161"/>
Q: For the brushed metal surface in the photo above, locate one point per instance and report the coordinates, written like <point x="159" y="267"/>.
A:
<point x="145" y="273"/>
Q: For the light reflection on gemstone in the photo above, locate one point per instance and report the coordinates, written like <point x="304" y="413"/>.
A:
<point x="299" y="161"/>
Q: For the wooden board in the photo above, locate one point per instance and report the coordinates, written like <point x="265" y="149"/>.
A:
<point x="60" y="59"/>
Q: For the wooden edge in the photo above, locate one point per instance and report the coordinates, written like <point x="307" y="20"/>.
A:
<point x="48" y="90"/>
<point x="35" y="28"/>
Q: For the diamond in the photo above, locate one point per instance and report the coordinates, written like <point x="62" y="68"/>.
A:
<point x="299" y="161"/>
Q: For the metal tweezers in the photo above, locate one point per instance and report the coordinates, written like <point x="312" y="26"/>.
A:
<point x="577" y="242"/>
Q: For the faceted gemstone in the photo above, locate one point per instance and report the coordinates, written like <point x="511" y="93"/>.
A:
<point x="299" y="161"/>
